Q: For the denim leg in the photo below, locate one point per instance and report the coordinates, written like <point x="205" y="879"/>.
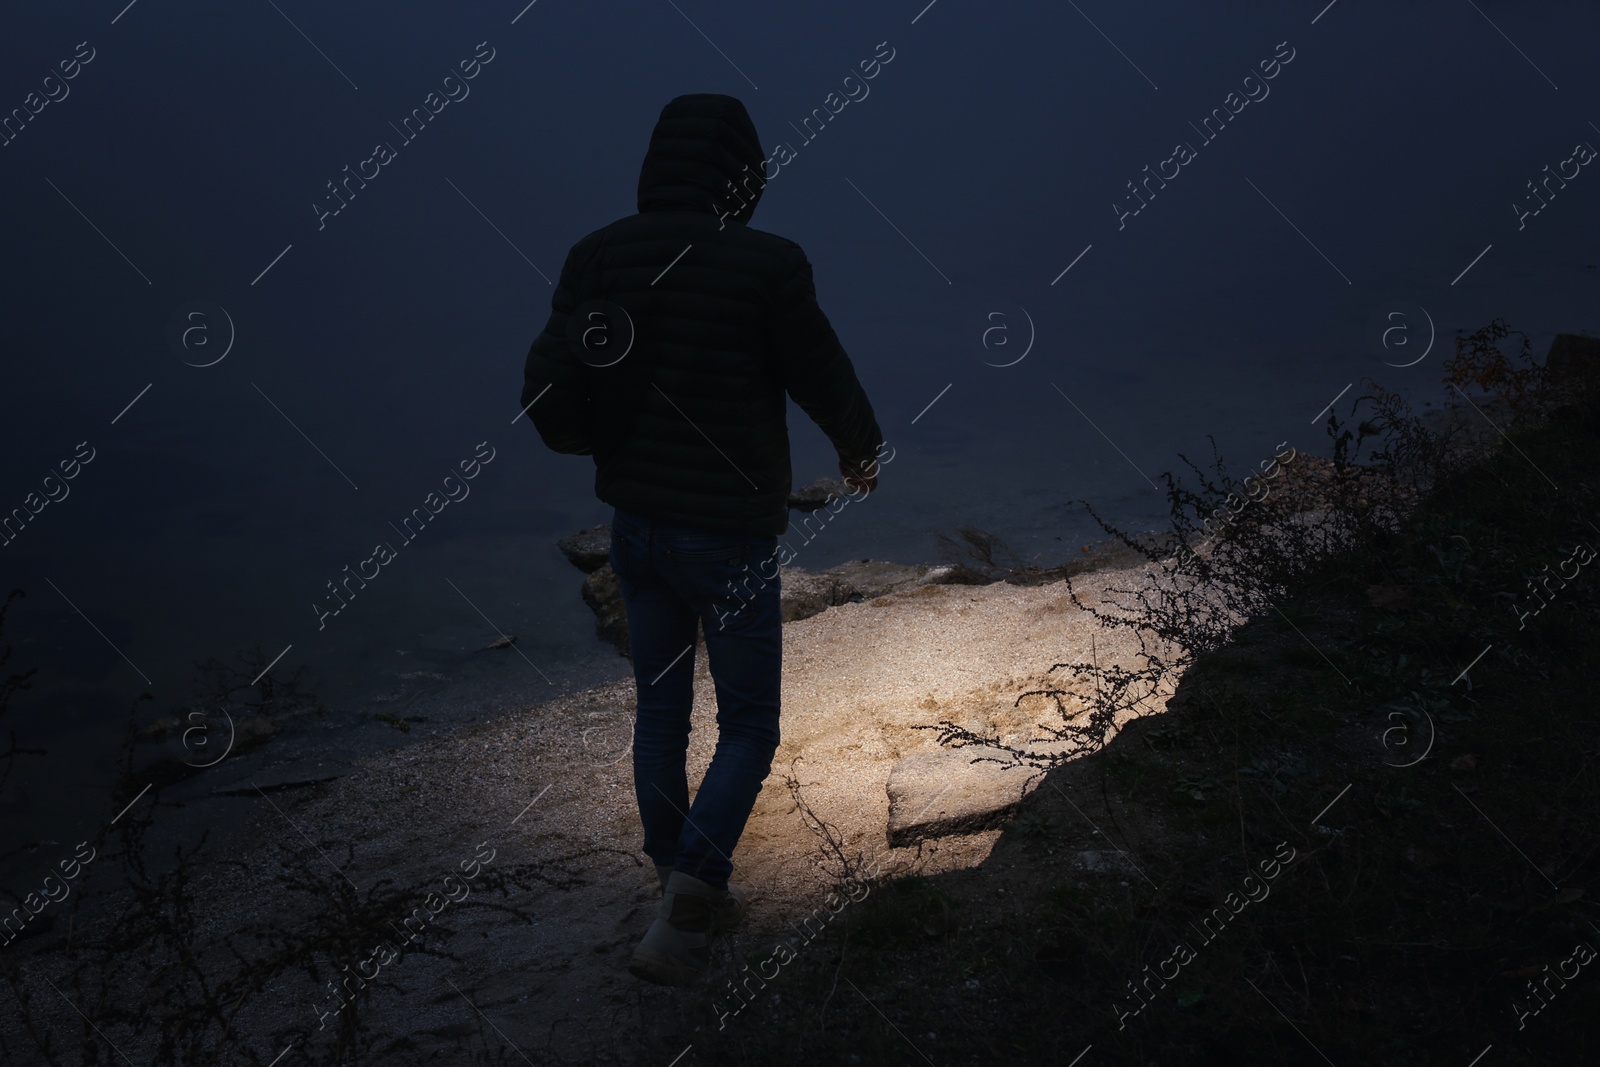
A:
<point x="746" y="660"/>
<point x="672" y="576"/>
<point x="661" y="624"/>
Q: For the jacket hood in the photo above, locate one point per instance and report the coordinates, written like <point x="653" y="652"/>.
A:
<point x="701" y="143"/>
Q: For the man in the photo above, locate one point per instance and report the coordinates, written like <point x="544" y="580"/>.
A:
<point x="674" y="335"/>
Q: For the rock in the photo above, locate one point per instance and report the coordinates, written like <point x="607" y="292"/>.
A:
<point x="589" y="550"/>
<point x="871" y="578"/>
<point x="943" y="574"/>
<point x="934" y="794"/>
<point x="603" y="594"/>
<point x="805" y="594"/>
<point x="815" y="495"/>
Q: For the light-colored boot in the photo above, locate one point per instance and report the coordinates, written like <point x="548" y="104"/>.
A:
<point x="676" y="949"/>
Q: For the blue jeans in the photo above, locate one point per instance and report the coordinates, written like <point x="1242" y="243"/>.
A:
<point x="673" y="577"/>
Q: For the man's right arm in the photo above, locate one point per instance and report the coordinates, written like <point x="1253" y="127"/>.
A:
<point x="817" y="372"/>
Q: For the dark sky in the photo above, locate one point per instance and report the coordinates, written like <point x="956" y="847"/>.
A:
<point x="1376" y="172"/>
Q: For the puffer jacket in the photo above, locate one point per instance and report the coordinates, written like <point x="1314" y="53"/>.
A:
<point x="674" y="334"/>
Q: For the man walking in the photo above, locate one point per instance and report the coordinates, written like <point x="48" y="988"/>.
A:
<point x="673" y="337"/>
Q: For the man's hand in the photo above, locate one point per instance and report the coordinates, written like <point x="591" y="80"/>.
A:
<point x="863" y="479"/>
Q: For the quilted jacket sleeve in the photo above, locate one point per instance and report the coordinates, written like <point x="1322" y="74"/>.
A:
<point x="553" y="380"/>
<point x="817" y="372"/>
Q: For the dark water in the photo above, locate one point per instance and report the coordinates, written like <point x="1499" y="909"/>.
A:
<point x="184" y="169"/>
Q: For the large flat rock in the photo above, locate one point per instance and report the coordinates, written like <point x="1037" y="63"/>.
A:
<point x="934" y="794"/>
<point x="588" y="550"/>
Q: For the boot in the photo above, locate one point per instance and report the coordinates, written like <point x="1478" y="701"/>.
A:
<point x="676" y="948"/>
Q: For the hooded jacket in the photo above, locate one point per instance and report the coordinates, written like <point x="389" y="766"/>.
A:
<point x="675" y="333"/>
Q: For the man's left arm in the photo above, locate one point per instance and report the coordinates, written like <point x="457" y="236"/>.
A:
<point x="555" y="393"/>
